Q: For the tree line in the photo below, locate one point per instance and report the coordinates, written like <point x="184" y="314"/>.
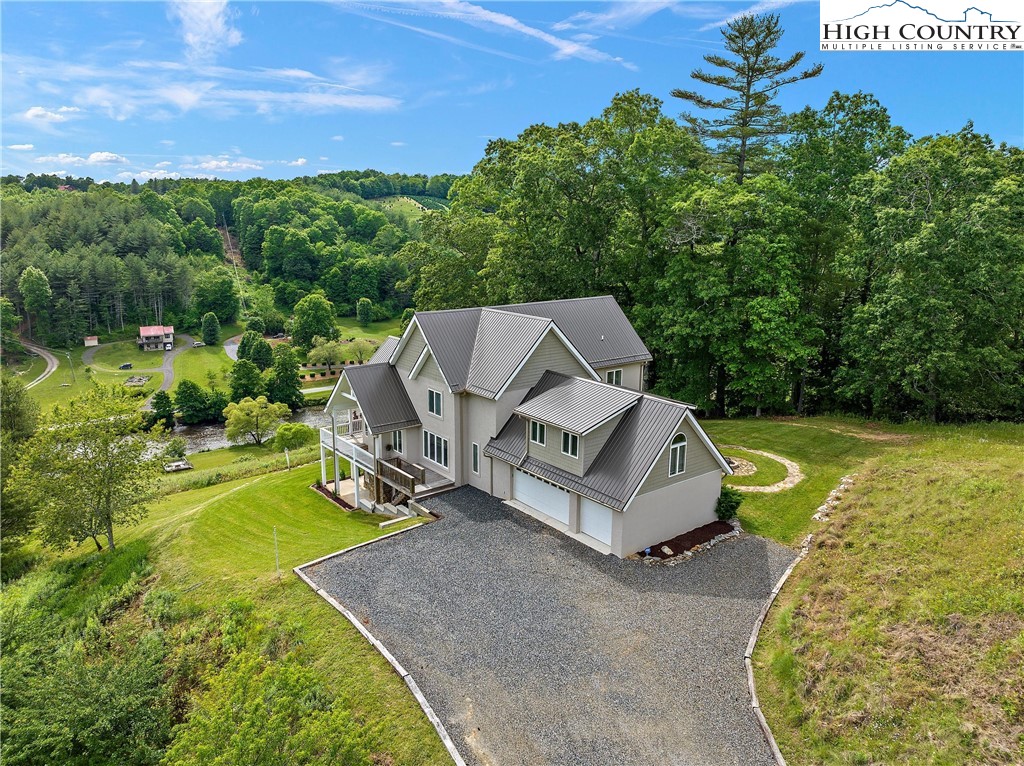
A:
<point x="818" y="262"/>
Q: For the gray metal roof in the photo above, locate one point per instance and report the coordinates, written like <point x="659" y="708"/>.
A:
<point x="503" y="339"/>
<point x="596" y="326"/>
<point x="384" y="351"/>
<point x="451" y="335"/>
<point x="577" y="404"/>
<point x="382" y="397"/>
<point x="613" y="477"/>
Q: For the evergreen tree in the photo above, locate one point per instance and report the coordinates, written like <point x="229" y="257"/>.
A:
<point x="211" y="329"/>
<point x="753" y="76"/>
<point x="364" y="311"/>
<point x="36" y="296"/>
<point x="192" y="401"/>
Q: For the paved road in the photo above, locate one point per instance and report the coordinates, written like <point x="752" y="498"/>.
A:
<point x="51" y="363"/>
<point x="534" y="649"/>
<point x="231" y="347"/>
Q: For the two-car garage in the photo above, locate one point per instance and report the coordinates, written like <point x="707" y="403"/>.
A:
<point x="555" y="503"/>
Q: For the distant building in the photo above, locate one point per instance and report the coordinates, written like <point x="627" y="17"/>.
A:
<point x="92" y="340"/>
<point x="156" y="338"/>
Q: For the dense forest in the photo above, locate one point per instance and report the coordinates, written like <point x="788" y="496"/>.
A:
<point x="824" y="261"/>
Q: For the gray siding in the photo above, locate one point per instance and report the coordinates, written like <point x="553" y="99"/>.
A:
<point x="411" y="352"/>
<point x="431" y="371"/>
<point x="632" y="375"/>
<point x="551" y="354"/>
<point x="551" y="453"/>
<point x="478" y="425"/>
<point x="699" y="460"/>
<point x="592" y="443"/>
<point x="657" y="516"/>
<point x="442" y="426"/>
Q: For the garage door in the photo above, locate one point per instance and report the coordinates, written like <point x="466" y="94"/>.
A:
<point x="546" y="498"/>
<point x="596" y="520"/>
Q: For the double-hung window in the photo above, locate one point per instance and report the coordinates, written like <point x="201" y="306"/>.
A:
<point x="435" y="448"/>
<point x="570" y="444"/>
<point x="538" y="433"/>
<point x="677" y="455"/>
<point x="396" y="442"/>
<point x="434" y="402"/>
<point x="614" y="377"/>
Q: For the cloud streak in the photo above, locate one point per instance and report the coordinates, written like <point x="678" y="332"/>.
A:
<point x="205" y="27"/>
<point x="764" y="6"/>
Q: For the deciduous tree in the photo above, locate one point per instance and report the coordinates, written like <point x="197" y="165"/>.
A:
<point x="255" y="419"/>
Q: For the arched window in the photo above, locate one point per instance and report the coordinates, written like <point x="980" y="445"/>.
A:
<point x="677" y="455"/>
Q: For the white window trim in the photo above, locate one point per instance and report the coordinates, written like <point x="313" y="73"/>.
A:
<point x="671" y="451"/>
<point x="398" y="442"/>
<point x="440" y="403"/>
<point x="440" y="447"/>
<point x="571" y="436"/>
<point x="475" y="463"/>
<point x="542" y="431"/>
<point x="610" y="373"/>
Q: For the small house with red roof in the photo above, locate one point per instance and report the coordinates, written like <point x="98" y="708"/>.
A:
<point x="156" y="338"/>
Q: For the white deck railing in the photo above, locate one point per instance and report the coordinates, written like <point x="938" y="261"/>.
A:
<point x="347" y="448"/>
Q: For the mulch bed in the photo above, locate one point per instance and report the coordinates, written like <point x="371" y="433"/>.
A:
<point x="691" y="539"/>
<point x="330" y="496"/>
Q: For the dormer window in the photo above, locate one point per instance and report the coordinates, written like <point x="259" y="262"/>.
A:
<point x="677" y="455"/>
<point x="538" y="433"/>
<point x="570" y="444"/>
<point x="434" y="402"/>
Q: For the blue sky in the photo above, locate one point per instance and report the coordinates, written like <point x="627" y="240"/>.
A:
<point x="280" y="89"/>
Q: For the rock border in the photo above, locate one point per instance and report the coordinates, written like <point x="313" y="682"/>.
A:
<point x="432" y="716"/>
<point x="679" y="558"/>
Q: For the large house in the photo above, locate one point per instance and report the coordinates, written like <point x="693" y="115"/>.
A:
<point x="540" y="404"/>
<point x="156" y="338"/>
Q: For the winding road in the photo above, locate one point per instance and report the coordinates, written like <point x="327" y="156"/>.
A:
<point x="51" y="362"/>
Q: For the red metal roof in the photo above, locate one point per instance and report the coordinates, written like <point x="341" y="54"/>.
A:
<point x="155" y="329"/>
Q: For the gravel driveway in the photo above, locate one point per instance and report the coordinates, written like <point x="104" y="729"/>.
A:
<point x="534" y="649"/>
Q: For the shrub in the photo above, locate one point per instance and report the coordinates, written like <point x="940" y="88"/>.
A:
<point x="728" y="503"/>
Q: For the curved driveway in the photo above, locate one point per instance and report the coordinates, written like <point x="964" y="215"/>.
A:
<point x="166" y="366"/>
<point x="51" y="363"/>
<point x="534" y="649"/>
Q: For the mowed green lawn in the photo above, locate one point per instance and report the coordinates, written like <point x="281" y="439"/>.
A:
<point x="110" y="356"/>
<point x="198" y="364"/>
<point x="768" y="471"/>
<point x="825" y="448"/>
<point x="349" y="327"/>
<point x="62" y="385"/>
<point x="217" y="544"/>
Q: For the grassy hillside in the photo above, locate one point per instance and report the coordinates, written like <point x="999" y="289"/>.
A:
<point x="196" y="584"/>
<point x="901" y="639"/>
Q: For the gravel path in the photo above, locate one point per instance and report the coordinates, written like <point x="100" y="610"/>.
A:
<point x="535" y="649"/>
<point x="793" y="473"/>
<point x="182" y="342"/>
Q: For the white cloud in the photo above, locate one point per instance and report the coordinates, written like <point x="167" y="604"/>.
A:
<point x="297" y="163"/>
<point x="164" y="164"/>
<point x="48" y="115"/>
<point x="398" y="143"/>
<point x="337" y="138"/>
<point x="620" y="15"/>
<point x="64" y="157"/>
<point x="21" y="147"/>
<point x="105" y="158"/>
<point x="765" y="6"/>
<point x="223" y="164"/>
<point x="167" y="142"/>
<point x="205" y="26"/>
<point x="324" y="159"/>
<point x="185" y="96"/>
<point x="147" y="174"/>
<point x="107" y="99"/>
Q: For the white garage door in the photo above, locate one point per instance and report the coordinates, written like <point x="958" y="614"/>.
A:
<point x="596" y="520"/>
<point x="546" y="498"/>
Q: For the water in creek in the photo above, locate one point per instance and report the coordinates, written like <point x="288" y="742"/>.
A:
<point x="202" y="438"/>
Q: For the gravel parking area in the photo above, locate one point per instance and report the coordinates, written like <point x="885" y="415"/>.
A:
<point x="534" y="649"/>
